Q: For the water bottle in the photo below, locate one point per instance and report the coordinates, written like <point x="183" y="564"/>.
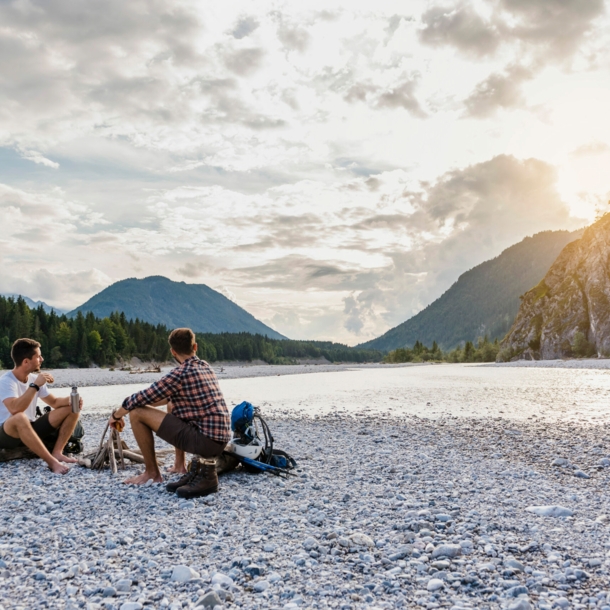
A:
<point x="75" y="400"/>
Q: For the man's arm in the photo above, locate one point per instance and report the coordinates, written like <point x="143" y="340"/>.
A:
<point x="21" y="403"/>
<point x="58" y="401"/>
<point x="156" y="395"/>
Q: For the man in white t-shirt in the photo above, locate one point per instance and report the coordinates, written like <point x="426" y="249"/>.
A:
<point x="19" y="392"/>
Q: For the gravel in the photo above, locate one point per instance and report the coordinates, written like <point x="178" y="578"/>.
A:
<point x="387" y="512"/>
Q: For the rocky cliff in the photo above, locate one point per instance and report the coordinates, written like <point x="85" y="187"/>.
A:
<point x="568" y="312"/>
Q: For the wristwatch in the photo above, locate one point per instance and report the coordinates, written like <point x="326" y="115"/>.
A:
<point x="36" y="387"/>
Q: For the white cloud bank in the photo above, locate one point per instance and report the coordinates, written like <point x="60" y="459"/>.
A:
<point x="332" y="169"/>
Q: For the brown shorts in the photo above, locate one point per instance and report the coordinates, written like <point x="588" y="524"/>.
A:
<point x="185" y="435"/>
<point x="42" y="426"/>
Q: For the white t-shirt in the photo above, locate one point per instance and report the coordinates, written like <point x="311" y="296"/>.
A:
<point x="11" y="387"/>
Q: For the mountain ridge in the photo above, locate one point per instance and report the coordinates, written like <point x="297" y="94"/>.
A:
<point x="483" y="300"/>
<point x="159" y="300"/>
<point x="32" y="304"/>
<point x="568" y="312"/>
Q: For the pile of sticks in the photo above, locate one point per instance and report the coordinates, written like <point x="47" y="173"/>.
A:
<point x="113" y="451"/>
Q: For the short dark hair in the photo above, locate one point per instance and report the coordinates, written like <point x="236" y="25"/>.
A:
<point x="23" y="349"/>
<point x="182" y="341"/>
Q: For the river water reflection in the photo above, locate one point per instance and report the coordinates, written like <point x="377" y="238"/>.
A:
<point x="427" y="391"/>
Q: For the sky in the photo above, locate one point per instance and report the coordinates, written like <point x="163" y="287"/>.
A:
<point x="332" y="170"/>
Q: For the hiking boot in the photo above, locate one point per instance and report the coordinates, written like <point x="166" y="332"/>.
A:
<point x="203" y="483"/>
<point x="185" y="478"/>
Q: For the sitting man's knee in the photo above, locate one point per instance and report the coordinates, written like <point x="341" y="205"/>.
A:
<point x="20" y="419"/>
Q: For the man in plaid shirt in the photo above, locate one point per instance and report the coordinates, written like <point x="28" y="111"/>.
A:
<point x="197" y="420"/>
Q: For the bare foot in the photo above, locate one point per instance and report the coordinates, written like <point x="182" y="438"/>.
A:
<point x="60" y="457"/>
<point x="177" y="469"/>
<point x="58" y="468"/>
<point x="142" y="479"/>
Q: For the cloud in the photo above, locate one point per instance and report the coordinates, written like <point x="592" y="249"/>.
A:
<point x="301" y="273"/>
<point x="244" y="61"/>
<point x="293" y="37"/>
<point x="554" y="27"/>
<point x="461" y="27"/>
<point x="499" y="90"/>
<point x="403" y="96"/>
<point x="591" y="149"/>
<point x="535" y="32"/>
<point x="36" y="157"/>
<point x="244" y="27"/>
<point x="60" y="290"/>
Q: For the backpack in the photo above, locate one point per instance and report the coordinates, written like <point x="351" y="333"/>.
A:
<point x="251" y="429"/>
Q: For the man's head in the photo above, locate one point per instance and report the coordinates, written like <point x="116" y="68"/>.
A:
<point x="26" y="353"/>
<point x="182" y="342"/>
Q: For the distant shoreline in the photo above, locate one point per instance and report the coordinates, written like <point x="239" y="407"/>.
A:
<point x="83" y="378"/>
<point x="575" y="363"/>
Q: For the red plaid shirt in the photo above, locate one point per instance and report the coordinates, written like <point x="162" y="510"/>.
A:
<point x="196" y="398"/>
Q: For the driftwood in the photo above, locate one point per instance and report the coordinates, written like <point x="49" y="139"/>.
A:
<point x="113" y="451"/>
<point x="154" y="369"/>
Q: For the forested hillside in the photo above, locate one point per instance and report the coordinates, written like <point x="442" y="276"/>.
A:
<point x="484" y="301"/>
<point x="159" y="300"/>
<point x="86" y="339"/>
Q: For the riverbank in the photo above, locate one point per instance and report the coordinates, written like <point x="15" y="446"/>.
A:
<point x="226" y="370"/>
<point x="577" y="363"/>
<point x="387" y="512"/>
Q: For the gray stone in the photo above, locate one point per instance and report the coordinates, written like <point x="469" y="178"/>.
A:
<point x="261" y="585"/>
<point x="550" y="511"/>
<point x="182" y="573"/>
<point x="310" y="543"/>
<point x="131" y="606"/>
<point x="222" y="579"/>
<point x="581" y="475"/>
<point x="359" y="539"/>
<point x="123" y="585"/>
<point x="435" y="584"/>
<point x="515" y="565"/>
<point x="209" y="600"/>
<point x="254" y="569"/>
<point x="516" y="591"/>
<point x="110" y="592"/>
<point x="447" y="550"/>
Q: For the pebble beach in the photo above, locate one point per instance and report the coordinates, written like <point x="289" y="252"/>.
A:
<point x="388" y="510"/>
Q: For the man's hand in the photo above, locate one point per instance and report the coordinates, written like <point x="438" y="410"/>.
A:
<point x="43" y="378"/>
<point x="116" y="424"/>
<point x="80" y="403"/>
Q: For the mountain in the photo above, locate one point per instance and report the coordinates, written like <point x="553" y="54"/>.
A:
<point x="158" y="300"/>
<point x="484" y="300"/>
<point x="568" y="312"/>
<point x="35" y="304"/>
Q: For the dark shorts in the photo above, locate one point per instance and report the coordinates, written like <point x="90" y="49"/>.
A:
<point x="186" y="436"/>
<point x="42" y="426"/>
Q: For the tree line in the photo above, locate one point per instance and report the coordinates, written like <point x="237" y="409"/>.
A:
<point x="86" y="339"/>
<point x="483" y="350"/>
